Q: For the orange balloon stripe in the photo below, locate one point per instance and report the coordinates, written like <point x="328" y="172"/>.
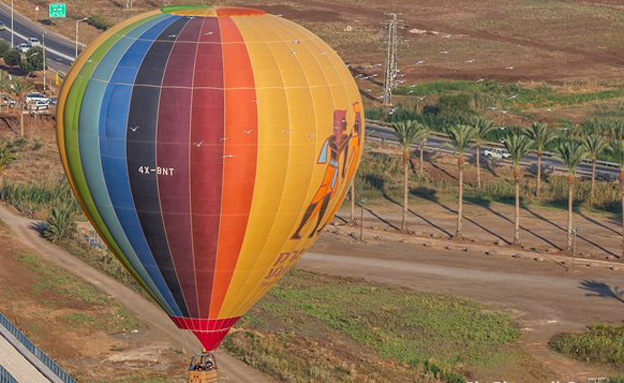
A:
<point x="240" y="156"/>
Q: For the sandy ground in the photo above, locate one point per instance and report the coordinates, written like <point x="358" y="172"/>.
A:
<point x="543" y="229"/>
<point x="545" y="298"/>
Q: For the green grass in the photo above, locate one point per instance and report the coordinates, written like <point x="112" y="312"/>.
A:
<point x="58" y="289"/>
<point x="600" y="343"/>
<point x="441" y="335"/>
<point x="511" y="94"/>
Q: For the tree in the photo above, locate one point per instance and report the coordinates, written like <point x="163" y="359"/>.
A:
<point x="594" y="144"/>
<point x="6" y="157"/>
<point x="461" y="135"/>
<point x="425" y="130"/>
<point x="482" y="128"/>
<point x="541" y="136"/>
<point x="12" y="57"/>
<point x="571" y="152"/>
<point x="33" y="61"/>
<point x="20" y="88"/>
<point x="408" y="134"/>
<point x="616" y="147"/>
<point x="518" y="145"/>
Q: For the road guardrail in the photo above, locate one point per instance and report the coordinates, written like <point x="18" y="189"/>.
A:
<point x="6" y="377"/>
<point x="58" y="372"/>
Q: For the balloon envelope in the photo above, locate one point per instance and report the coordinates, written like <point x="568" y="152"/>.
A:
<point x="209" y="146"/>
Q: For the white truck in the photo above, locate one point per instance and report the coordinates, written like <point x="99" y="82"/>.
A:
<point x="496" y="154"/>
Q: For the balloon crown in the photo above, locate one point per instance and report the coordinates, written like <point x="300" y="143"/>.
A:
<point x="210" y="11"/>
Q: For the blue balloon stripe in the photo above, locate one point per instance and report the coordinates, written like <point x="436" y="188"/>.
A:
<point x="90" y="156"/>
<point x="113" y="127"/>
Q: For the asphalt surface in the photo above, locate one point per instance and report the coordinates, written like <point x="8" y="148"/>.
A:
<point x="60" y="51"/>
<point x="17" y="365"/>
<point x="437" y="143"/>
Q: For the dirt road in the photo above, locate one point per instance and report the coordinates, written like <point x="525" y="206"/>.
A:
<point x="545" y="298"/>
<point x="153" y="316"/>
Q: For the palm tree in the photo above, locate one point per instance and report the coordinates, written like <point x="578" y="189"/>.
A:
<point x="461" y="136"/>
<point x="616" y="147"/>
<point x="425" y="130"/>
<point x="594" y="144"/>
<point x="20" y="88"/>
<point x="571" y="153"/>
<point x="408" y="134"/>
<point x="482" y="127"/>
<point x="541" y="136"/>
<point x="518" y="145"/>
<point x="6" y="157"/>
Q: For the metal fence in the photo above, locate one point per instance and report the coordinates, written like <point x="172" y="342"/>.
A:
<point x="46" y="360"/>
<point x="5" y="377"/>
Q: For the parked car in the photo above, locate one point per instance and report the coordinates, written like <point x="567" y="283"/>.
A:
<point x="2" y="26"/>
<point x="496" y="154"/>
<point x="34" y="42"/>
<point x="7" y="101"/>
<point x="36" y="96"/>
<point x="52" y="100"/>
<point x="39" y="105"/>
<point x="23" y="47"/>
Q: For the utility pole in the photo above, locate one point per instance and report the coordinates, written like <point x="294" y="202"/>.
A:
<point x="392" y="46"/>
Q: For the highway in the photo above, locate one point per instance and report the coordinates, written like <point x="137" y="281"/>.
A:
<point x="376" y="131"/>
<point x="60" y="51"/>
<point x="17" y="365"/>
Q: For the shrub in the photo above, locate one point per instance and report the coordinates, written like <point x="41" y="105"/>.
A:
<point x="98" y="22"/>
<point x="33" y="61"/>
<point x="4" y="47"/>
<point x="601" y="343"/>
<point x="59" y="225"/>
<point x="12" y="57"/>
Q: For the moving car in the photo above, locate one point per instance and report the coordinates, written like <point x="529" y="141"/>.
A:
<point x="2" y="26"/>
<point x="34" y="42"/>
<point x="23" y="47"/>
<point x="496" y="154"/>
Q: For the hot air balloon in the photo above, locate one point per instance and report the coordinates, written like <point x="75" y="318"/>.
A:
<point x="209" y="147"/>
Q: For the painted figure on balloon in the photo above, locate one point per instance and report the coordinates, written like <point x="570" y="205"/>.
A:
<point x="337" y="145"/>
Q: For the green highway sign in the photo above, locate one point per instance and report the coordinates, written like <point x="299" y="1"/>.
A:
<point x="57" y="10"/>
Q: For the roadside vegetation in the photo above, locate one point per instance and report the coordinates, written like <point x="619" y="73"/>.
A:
<point x="600" y="343"/>
<point x="309" y="328"/>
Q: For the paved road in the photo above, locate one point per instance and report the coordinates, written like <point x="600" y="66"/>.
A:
<point x="234" y="370"/>
<point x="377" y="131"/>
<point x="17" y="365"/>
<point x="60" y="51"/>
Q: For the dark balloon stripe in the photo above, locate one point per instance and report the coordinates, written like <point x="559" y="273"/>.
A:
<point x="173" y="157"/>
<point x="141" y="153"/>
<point x="207" y="159"/>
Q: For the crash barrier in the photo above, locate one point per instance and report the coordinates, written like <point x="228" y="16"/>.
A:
<point x="58" y="372"/>
<point x="5" y="377"/>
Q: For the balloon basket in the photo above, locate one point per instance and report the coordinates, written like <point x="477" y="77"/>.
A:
<point x="203" y="369"/>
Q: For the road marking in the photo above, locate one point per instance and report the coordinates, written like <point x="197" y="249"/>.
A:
<point x="66" y="57"/>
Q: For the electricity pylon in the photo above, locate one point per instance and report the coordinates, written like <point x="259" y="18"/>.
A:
<point x="392" y="68"/>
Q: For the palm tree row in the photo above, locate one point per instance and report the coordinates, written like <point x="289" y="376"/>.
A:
<point x="572" y="148"/>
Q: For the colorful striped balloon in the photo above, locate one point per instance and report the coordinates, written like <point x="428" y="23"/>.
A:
<point x="209" y="146"/>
